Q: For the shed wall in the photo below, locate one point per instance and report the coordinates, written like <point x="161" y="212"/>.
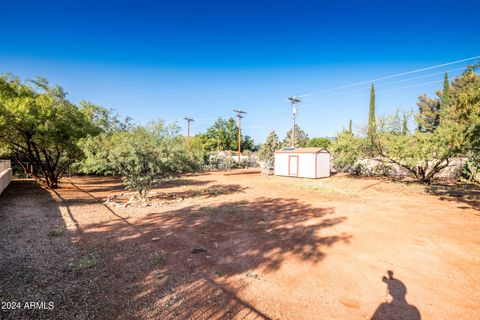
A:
<point x="281" y="164"/>
<point x="306" y="164"/>
<point x="323" y="165"/>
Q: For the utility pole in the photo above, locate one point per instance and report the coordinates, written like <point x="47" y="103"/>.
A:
<point x="189" y="119"/>
<point x="293" y="100"/>
<point x="239" y="116"/>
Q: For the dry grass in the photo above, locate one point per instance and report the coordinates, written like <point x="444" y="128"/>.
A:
<point x="157" y="259"/>
<point x="83" y="263"/>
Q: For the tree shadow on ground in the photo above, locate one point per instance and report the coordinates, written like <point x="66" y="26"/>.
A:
<point x="155" y="273"/>
<point x="242" y="172"/>
<point x="208" y="192"/>
<point x="100" y="183"/>
<point x="145" y="266"/>
<point x="466" y="193"/>
<point x="398" y="307"/>
<point x="36" y="249"/>
<point x="109" y="183"/>
<point x="183" y="182"/>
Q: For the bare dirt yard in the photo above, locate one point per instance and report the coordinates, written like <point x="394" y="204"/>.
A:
<point x="238" y="245"/>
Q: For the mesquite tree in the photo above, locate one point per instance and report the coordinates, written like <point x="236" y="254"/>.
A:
<point x="426" y="152"/>
<point x="142" y="156"/>
<point x="38" y="123"/>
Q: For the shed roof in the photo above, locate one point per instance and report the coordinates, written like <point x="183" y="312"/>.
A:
<point x="302" y="150"/>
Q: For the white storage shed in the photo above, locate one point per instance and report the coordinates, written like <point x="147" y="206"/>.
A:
<point x="302" y="162"/>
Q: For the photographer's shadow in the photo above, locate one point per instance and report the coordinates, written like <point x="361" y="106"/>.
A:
<point x="398" y="308"/>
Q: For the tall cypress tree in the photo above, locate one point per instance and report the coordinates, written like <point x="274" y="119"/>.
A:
<point x="405" y="124"/>
<point x="446" y="91"/>
<point x="372" y="127"/>
<point x="350" y="127"/>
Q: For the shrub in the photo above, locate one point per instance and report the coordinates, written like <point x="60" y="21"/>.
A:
<point x="357" y="169"/>
<point x="319" y="142"/>
<point x="157" y="259"/>
<point x="346" y="150"/>
<point x="216" y="162"/>
<point x="471" y="169"/>
<point x="142" y="156"/>
<point x="56" y="232"/>
<point x="83" y="263"/>
<point x="268" y="148"/>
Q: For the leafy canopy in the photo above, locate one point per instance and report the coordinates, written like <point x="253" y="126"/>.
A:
<point x="320" y="142"/>
<point x="39" y="124"/>
<point x="456" y="133"/>
<point x="223" y="136"/>
<point x="142" y="156"/>
<point x="301" y="138"/>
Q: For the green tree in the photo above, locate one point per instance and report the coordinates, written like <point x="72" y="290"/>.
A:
<point x="232" y="134"/>
<point x="301" y="138"/>
<point x="446" y="92"/>
<point x="350" y="129"/>
<point x="347" y="149"/>
<point x="218" y="137"/>
<point x="405" y="123"/>
<point x="38" y="123"/>
<point x="371" y="115"/>
<point x="428" y="117"/>
<point x="425" y="153"/>
<point x="137" y="156"/>
<point x="105" y="119"/>
<point x="223" y="135"/>
<point x="268" y="148"/>
<point x="471" y="169"/>
<point x="319" y="142"/>
<point x="142" y="156"/>
<point x="247" y="143"/>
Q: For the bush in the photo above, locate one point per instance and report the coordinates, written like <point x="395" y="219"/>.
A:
<point x="346" y="150"/>
<point x="382" y="170"/>
<point x="371" y="168"/>
<point x="157" y="259"/>
<point x="357" y="169"/>
<point x="219" y="162"/>
<point x="56" y="232"/>
<point x="319" y="142"/>
<point x="215" y="162"/>
<point x="142" y="156"/>
<point x="471" y="169"/>
<point x="83" y="263"/>
<point x="268" y="148"/>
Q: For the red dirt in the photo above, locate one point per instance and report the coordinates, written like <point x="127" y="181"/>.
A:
<point x="276" y="248"/>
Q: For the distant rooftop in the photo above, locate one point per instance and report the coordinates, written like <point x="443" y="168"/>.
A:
<point x="301" y="150"/>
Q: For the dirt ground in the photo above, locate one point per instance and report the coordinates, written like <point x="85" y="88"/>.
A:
<point x="238" y="245"/>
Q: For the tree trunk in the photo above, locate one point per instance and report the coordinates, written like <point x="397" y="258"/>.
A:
<point x="53" y="182"/>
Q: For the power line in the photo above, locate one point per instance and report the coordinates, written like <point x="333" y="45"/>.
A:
<point x="419" y="77"/>
<point x="388" y="77"/>
<point x="384" y="84"/>
<point x="206" y="119"/>
<point x="388" y="90"/>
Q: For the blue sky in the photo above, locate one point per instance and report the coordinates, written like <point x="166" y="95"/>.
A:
<point x="159" y="59"/>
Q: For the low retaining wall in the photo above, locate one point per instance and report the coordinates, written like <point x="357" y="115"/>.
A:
<point x="5" y="178"/>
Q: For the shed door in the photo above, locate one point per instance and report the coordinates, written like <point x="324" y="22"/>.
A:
<point x="293" y="166"/>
